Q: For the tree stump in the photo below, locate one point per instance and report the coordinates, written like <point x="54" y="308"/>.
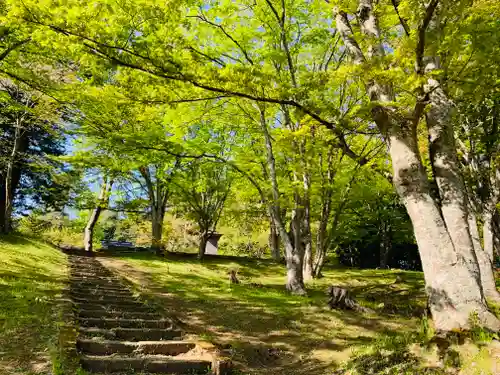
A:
<point x="232" y="277"/>
<point x="340" y="298"/>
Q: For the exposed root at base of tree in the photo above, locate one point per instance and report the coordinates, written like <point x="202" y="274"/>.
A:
<point x="340" y="298"/>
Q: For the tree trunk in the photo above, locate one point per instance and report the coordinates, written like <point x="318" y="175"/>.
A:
<point x="274" y="241"/>
<point x="96" y="212"/>
<point x="306" y="237"/>
<point x="321" y="235"/>
<point x="486" y="256"/>
<point x="385" y="244"/>
<point x="293" y="258"/>
<point x="9" y="186"/>
<point x="453" y="197"/>
<point x="203" y="244"/>
<point x="452" y="286"/>
<point x="452" y="282"/>
<point x="157" y="217"/>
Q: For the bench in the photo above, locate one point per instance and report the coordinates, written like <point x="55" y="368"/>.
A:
<point x="116" y="244"/>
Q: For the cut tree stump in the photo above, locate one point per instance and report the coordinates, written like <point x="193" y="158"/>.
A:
<point x="340" y="298"/>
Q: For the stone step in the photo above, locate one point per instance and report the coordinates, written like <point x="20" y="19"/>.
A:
<point x="85" y="313"/>
<point x="152" y="364"/>
<point x="132" y="334"/>
<point x="103" y="307"/>
<point x="91" y="282"/>
<point x="107" y="300"/>
<point x="94" y="279"/>
<point x="125" y="323"/>
<point x="105" y="347"/>
<point x="101" y="293"/>
<point x="108" y="289"/>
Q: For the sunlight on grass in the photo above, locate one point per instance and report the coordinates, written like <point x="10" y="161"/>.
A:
<point x="32" y="276"/>
<point x="263" y="326"/>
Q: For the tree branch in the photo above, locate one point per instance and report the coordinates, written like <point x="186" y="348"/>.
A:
<point x="16" y="45"/>
<point x="419" y="50"/>
<point x="402" y="21"/>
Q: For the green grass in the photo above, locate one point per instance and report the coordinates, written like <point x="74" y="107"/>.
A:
<point x="32" y="275"/>
<point x="264" y="327"/>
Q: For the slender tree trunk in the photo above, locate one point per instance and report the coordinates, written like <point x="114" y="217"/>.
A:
<point x="385" y="244"/>
<point x="486" y="255"/>
<point x="274" y="241"/>
<point x="293" y="257"/>
<point x="203" y="244"/>
<point x="9" y="186"/>
<point x="157" y="217"/>
<point x="307" y="238"/>
<point x="96" y="212"/>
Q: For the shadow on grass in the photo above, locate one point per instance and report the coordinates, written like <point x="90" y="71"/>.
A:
<point x="264" y="328"/>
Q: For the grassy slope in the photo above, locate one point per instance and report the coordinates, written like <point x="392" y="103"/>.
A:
<point x="32" y="275"/>
<point x="264" y="327"/>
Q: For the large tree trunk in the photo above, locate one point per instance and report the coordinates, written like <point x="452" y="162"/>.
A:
<point x="96" y="212"/>
<point x="274" y="241"/>
<point x="453" y="289"/>
<point x="452" y="281"/>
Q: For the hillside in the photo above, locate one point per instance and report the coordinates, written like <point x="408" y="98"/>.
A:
<point x="32" y="276"/>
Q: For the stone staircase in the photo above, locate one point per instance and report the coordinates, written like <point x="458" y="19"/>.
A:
<point x="117" y="333"/>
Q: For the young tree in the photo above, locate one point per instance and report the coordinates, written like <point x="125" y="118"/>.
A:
<point x="101" y="204"/>
<point x="201" y="191"/>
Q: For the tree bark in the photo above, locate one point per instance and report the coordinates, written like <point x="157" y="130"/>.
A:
<point x="274" y="241"/>
<point x="306" y="236"/>
<point x="293" y="257"/>
<point x="203" y="244"/>
<point x="96" y="212"/>
<point x="9" y="186"/>
<point x="454" y="291"/>
<point x="451" y="280"/>
<point x="385" y="244"/>
<point x="157" y="217"/>
<point x="486" y="256"/>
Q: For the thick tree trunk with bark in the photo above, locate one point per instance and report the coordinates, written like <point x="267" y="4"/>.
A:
<point x="453" y="288"/>
<point x="96" y="212"/>
<point x="452" y="282"/>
